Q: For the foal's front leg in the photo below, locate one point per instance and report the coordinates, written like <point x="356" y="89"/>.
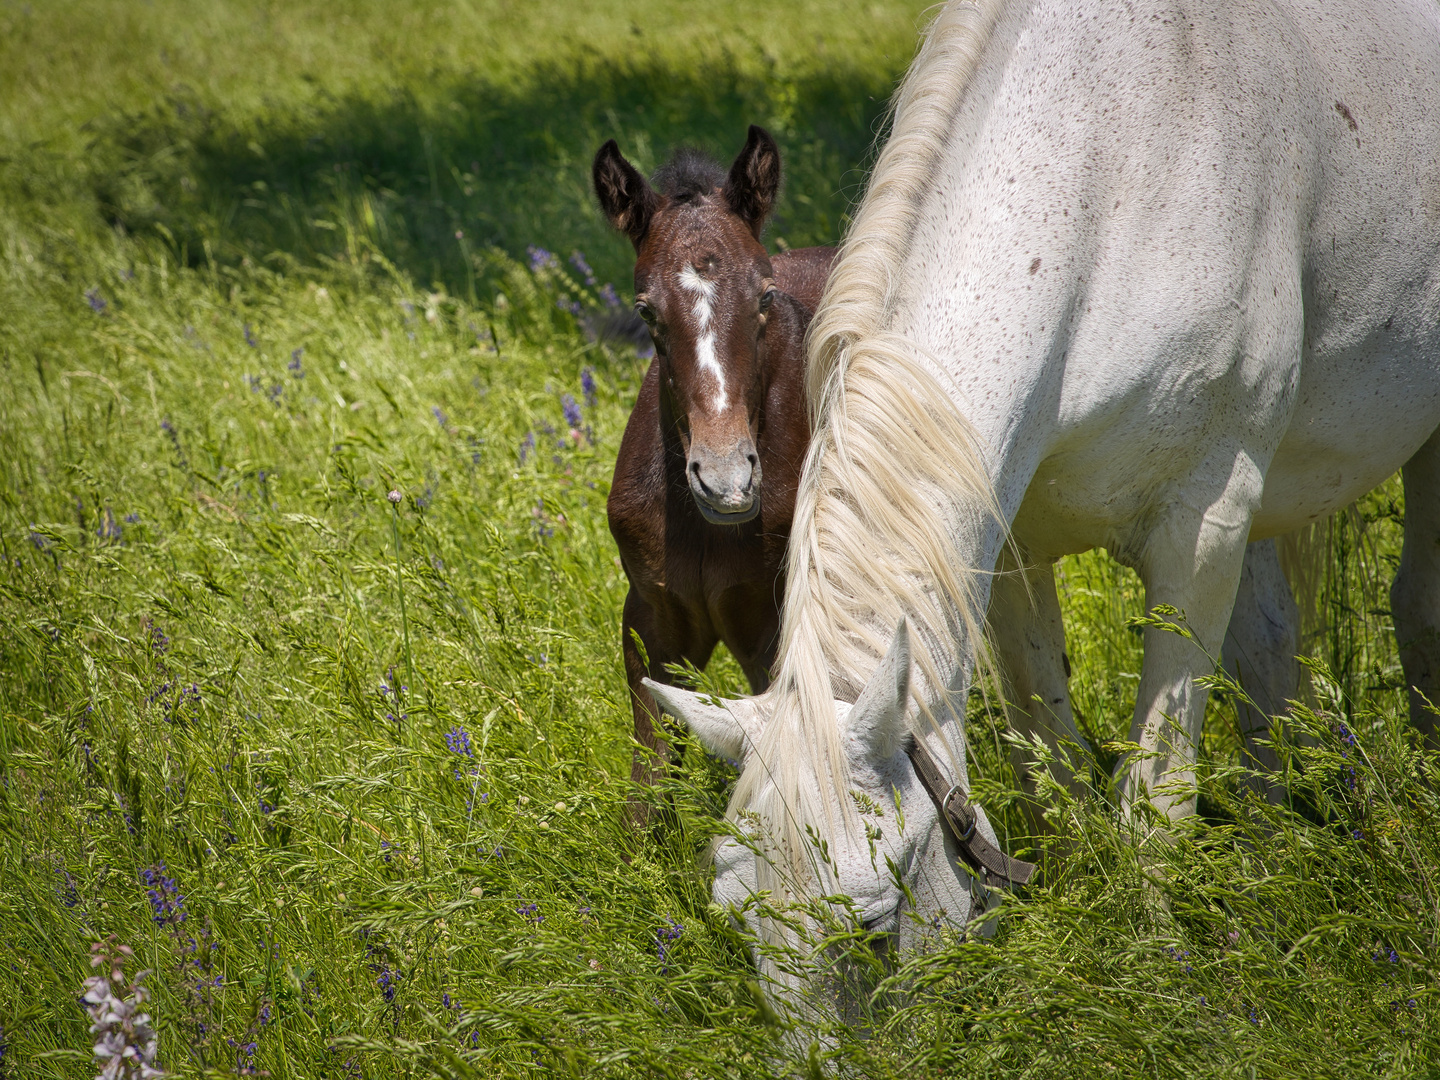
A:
<point x="667" y="637"/>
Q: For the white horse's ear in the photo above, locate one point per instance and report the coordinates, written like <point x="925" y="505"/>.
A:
<point x="728" y="728"/>
<point x="876" y="722"/>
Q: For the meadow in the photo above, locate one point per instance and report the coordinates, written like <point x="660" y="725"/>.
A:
<point x="310" y="680"/>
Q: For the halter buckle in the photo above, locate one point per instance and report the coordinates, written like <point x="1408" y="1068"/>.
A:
<point x="955" y="790"/>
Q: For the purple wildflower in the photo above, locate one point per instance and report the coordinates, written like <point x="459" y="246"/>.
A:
<point x="571" y="408"/>
<point x="159" y="642"/>
<point x="40" y="541"/>
<point x="1179" y="956"/>
<point x="96" y="301"/>
<point x="294" y="365"/>
<point x="132" y="518"/>
<point x="174" y="708"/>
<point x="440" y="417"/>
<point x="394" y="496"/>
<point x="587" y="386"/>
<point x="527" y="446"/>
<point x="577" y="260"/>
<point x="244" y="1057"/>
<point x="608" y="296"/>
<point x="167" y="903"/>
<point x="388" y="686"/>
<point x="387" y="980"/>
<point x="109" y="529"/>
<point x="250" y="338"/>
<point x="666" y="934"/>
<point x="68" y="891"/>
<point x="540" y="259"/>
<point x="457" y="739"/>
<point x="530" y="912"/>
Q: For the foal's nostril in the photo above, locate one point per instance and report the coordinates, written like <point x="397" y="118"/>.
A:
<point x="697" y="479"/>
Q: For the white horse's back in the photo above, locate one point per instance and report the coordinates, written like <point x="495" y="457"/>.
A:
<point x="1178" y="226"/>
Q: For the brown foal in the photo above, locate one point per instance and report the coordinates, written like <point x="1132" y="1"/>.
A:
<point x="721" y="407"/>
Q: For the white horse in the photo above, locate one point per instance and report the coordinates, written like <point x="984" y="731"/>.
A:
<point x="1159" y="277"/>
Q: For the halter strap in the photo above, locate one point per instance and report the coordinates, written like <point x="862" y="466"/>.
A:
<point x="955" y="810"/>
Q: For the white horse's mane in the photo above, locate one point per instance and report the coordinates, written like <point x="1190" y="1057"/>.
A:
<point x="892" y="477"/>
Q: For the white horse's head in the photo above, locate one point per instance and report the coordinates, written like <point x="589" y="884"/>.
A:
<point x="888" y="851"/>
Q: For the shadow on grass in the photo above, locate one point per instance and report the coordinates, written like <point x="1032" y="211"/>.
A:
<point x="504" y="166"/>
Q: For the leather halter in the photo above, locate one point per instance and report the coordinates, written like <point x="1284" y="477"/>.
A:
<point x="990" y="862"/>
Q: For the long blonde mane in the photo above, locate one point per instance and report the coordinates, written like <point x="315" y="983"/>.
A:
<point x="892" y="479"/>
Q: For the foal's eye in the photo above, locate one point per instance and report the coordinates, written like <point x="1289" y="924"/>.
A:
<point x="645" y="311"/>
<point x="766" y="299"/>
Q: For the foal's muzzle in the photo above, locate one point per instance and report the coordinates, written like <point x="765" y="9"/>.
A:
<point x="726" y="485"/>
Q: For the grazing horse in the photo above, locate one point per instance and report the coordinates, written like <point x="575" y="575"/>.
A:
<point x="1161" y="277"/>
<point x="721" y="408"/>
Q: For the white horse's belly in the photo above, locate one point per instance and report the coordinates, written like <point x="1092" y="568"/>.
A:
<point x="1098" y="491"/>
<point x="1340" y="443"/>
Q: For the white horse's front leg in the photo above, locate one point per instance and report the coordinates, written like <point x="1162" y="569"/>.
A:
<point x="1260" y="648"/>
<point x="1191" y="561"/>
<point x="1415" y="595"/>
<point x="1030" y="646"/>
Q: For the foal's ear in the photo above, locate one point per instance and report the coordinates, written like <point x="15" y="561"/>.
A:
<point x="628" y="201"/>
<point x="754" y="180"/>
<point x="876" y="723"/>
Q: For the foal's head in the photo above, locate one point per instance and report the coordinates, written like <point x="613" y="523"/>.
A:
<point x="703" y="284"/>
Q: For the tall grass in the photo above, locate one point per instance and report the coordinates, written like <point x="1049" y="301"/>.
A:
<point x="347" y="774"/>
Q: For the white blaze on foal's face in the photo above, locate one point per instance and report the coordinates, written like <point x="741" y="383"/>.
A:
<point x="700" y="291"/>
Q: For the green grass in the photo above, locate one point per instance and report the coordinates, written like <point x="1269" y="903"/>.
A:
<point x="205" y="588"/>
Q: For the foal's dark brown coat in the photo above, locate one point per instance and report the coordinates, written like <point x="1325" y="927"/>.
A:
<point x="701" y="441"/>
